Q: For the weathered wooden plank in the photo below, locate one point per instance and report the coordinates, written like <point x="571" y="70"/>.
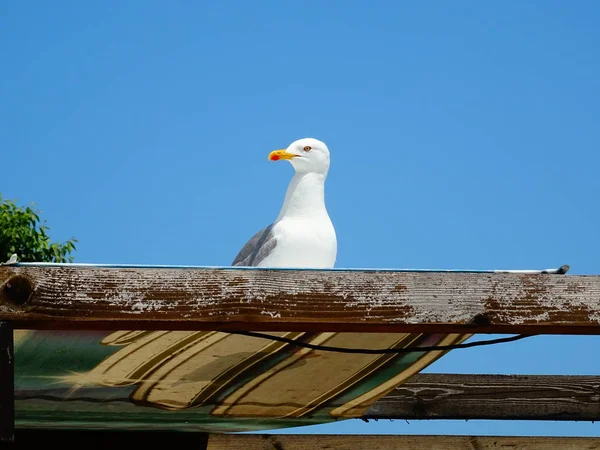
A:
<point x="7" y="383"/>
<point x="505" y="397"/>
<point x="387" y="442"/>
<point x="362" y="301"/>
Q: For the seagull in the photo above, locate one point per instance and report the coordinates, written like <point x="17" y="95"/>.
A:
<point x="302" y="235"/>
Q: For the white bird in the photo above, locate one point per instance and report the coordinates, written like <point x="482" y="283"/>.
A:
<point x="303" y="234"/>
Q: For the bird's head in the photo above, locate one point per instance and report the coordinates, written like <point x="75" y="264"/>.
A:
<point x="306" y="155"/>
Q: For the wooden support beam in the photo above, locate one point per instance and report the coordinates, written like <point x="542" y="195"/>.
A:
<point x="386" y="442"/>
<point x="7" y="382"/>
<point x="497" y="397"/>
<point x="80" y="297"/>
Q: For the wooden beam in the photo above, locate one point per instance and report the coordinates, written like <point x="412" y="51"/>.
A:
<point x="498" y="397"/>
<point x="80" y="297"/>
<point x="7" y="382"/>
<point x="386" y="442"/>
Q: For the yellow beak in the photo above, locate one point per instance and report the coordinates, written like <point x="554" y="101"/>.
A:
<point x="280" y="154"/>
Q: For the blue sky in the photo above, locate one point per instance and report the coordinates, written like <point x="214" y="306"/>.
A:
<point x="463" y="135"/>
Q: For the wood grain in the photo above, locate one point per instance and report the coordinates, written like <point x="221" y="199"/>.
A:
<point x="505" y="397"/>
<point x="384" y="442"/>
<point x="287" y="300"/>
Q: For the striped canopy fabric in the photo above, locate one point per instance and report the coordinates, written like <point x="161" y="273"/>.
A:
<point x="208" y="381"/>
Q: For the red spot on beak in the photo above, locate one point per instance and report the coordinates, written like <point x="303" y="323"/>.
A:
<point x="274" y="158"/>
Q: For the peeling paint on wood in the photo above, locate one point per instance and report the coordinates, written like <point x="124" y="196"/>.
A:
<point x="288" y="300"/>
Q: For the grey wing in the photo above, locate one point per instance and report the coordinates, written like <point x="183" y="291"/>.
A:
<point x="257" y="248"/>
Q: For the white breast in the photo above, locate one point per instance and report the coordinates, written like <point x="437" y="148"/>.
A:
<point x="306" y="242"/>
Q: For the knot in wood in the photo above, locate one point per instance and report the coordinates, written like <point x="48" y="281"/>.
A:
<point x="481" y="319"/>
<point x="17" y="290"/>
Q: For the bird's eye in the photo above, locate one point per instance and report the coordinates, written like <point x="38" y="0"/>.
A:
<point x="308" y="148"/>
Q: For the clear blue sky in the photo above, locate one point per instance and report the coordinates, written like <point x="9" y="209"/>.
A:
<point x="463" y="135"/>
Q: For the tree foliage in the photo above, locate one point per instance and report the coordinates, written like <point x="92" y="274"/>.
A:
<point x="22" y="232"/>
